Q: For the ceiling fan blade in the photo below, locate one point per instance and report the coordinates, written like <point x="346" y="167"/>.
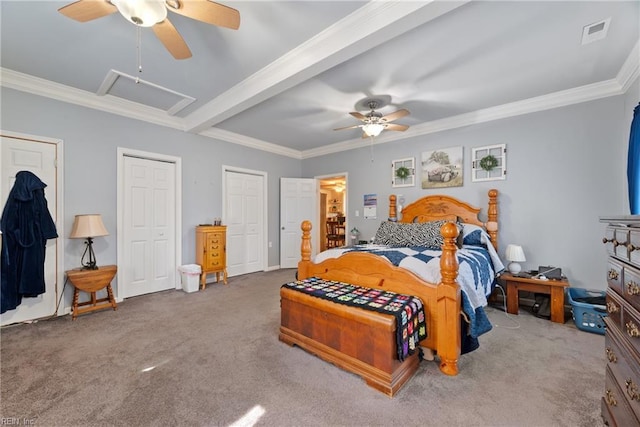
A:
<point x="349" y="127"/>
<point x="396" y="115"/>
<point x="171" y="39"/>
<point x="206" y="11"/>
<point x="358" y="116"/>
<point x="87" y="10"/>
<point x="395" y="126"/>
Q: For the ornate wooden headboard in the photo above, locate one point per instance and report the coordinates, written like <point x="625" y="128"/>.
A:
<point x="441" y="207"/>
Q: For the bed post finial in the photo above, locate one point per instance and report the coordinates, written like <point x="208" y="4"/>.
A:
<point x="392" y="208"/>
<point x="305" y="246"/>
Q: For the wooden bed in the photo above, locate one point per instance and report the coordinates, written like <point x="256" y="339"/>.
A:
<point x="442" y="301"/>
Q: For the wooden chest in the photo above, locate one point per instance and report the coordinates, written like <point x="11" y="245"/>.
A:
<point x="357" y="340"/>
<point x="621" y="399"/>
<point x="211" y="252"/>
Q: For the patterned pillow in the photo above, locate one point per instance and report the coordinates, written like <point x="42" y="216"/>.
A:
<point x="426" y="234"/>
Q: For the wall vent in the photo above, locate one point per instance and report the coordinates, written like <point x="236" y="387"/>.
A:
<point x="595" y="31"/>
<point x="133" y="89"/>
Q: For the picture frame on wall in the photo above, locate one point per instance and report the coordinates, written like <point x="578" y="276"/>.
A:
<point x="442" y="168"/>
<point x="489" y="163"/>
<point x="403" y="172"/>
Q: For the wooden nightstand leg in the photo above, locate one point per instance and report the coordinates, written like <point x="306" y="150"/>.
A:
<point x="75" y="304"/>
<point x="203" y="280"/>
<point x="557" y="304"/>
<point x="224" y="273"/>
<point x="512" y="298"/>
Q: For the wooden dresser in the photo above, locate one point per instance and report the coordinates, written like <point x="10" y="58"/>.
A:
<point x="211" y="252"/>
<point x="621" y="399"/>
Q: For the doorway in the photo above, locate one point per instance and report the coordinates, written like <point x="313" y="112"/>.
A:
<point x="333" y="211"/>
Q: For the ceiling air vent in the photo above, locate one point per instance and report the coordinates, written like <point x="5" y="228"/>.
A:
<point x="595" y="31"/>
<point x="137" y="90"/>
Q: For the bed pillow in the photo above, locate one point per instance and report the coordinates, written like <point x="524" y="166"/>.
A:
<point x="474" y="235"/>
<point x="426" y="234"/>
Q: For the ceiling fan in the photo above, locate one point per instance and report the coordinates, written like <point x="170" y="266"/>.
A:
<point x="374" y="122"/>
<point x="153" y="13"/>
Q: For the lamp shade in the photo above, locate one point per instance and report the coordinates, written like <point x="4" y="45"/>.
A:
<point x="515" y="253"/>
<point x="89" y="225"/>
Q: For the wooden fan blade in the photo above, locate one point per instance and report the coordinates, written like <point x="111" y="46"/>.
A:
<point x="206" y="11"/>
<point x="349" y="127"/>
<point x="87" y="10"/>
<point x="171" y="39"/>
<point x="358" y="116"/>
<point x="395" y="126"/>
<point x="396" y="115"/>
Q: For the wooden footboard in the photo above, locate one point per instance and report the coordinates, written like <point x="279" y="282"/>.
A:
<point x="442" y="302"/>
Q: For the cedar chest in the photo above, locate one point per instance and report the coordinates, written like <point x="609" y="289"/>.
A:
<point x="357" y="340"/>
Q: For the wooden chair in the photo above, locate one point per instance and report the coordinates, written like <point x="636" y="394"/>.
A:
<point x="335" y="234"/>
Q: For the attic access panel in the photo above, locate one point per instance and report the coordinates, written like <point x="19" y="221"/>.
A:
<point x="134" y="89"/>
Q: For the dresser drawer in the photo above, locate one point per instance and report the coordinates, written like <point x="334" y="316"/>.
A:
<point x="631" y="286"/>
<point x="631" y="326"/>
<point x="614" y="309"/>
<point x="616" y="404"/>
<point x="624" y="366"/>
<point x="614" y="275"/>
<point x="634" y="247"/>
<point x="215" y="240"/>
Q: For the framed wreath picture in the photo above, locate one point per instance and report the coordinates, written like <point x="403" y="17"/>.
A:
<point x="403" y="172"/>
<point x="489" y="163"/>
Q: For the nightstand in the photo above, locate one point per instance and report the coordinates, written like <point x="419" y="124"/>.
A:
<point x="554" y="288"/>
<point x="92" y="281"/>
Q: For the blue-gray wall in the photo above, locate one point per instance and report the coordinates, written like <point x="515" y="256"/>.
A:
<point x="566" y="167"/>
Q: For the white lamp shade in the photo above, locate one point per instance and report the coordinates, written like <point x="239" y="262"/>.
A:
<point x="89" y="225"/>
<point x="515" y="255"/>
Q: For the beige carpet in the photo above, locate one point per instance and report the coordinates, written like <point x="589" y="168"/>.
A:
<point x="213" y="357"/>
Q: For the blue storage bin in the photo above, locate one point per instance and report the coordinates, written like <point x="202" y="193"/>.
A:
<point x="588" y="317"/>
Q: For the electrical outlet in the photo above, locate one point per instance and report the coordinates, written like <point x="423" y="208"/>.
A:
<point x="270" y="244"/>
<point x="357" y="213"/>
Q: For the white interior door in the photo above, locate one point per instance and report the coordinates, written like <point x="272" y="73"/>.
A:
<point x="19" y="154"/>
<point x="298" y="202"/>
<point x="149" y="227"/>
<point x="244" y="217"/>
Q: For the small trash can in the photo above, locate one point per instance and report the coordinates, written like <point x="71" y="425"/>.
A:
<point x="190" y="275"/>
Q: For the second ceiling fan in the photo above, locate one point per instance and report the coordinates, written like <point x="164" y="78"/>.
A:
<point x="373" y="123"/>
<point x="153" y="13"/>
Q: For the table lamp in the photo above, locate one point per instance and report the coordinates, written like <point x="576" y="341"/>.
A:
<point x="87" y="227"/>
<point x="514" y="255"/>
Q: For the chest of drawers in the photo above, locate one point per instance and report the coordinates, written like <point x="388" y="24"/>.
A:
<point x="211" y="252"/>
<point x="621" y="399"/>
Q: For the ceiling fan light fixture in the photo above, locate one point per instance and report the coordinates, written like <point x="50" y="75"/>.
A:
<point x="373" y="129"/>
<point x="144" y="13"/>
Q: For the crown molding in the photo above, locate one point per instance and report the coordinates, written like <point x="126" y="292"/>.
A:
<point x="247" y="141"/>
<point x="630" y="70"/>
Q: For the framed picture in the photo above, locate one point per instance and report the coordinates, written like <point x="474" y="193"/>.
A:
<point x="489" y="163"/>
<point x="403" y="172"/>
<point x="442" y="168"/>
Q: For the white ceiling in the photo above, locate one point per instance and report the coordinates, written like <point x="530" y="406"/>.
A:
<point x="295" y="69"/>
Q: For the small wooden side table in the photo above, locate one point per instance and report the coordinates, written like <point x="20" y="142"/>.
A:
<point x="554" y="288"/>
<point x="92" y="281"/>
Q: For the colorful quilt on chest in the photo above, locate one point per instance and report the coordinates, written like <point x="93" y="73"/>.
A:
<point x="411" y="327"/>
